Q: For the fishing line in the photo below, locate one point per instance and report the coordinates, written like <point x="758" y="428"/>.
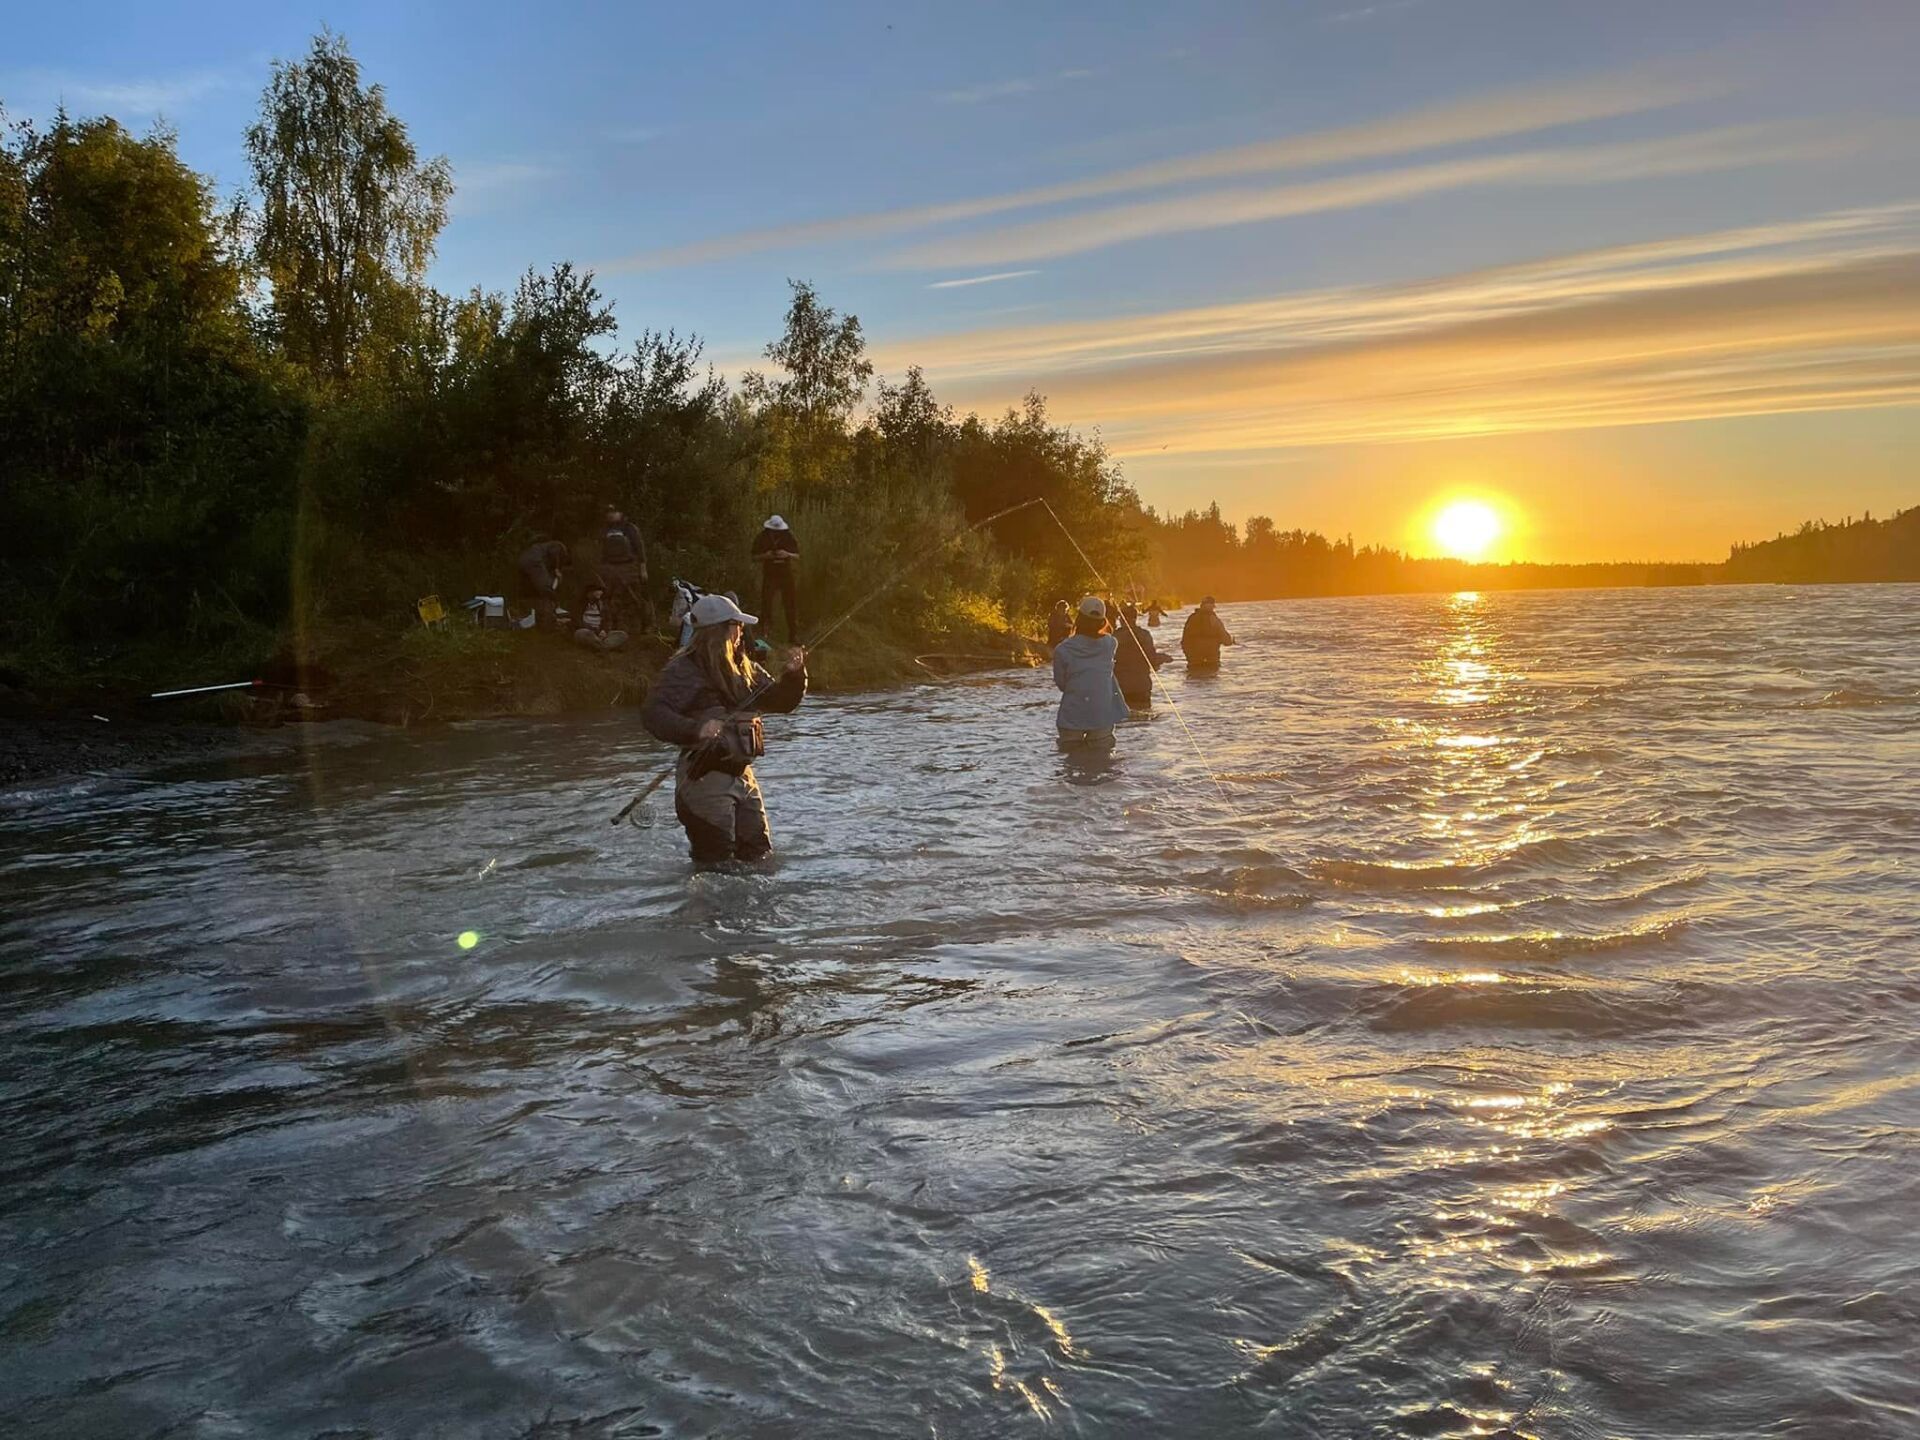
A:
<point x="1152" y="674"/>
<point x="746" y="705"/>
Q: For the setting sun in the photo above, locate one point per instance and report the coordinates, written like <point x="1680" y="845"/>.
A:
<point x="1466" y="528"/>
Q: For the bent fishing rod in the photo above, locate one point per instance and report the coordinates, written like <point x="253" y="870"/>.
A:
<point x="745" y="707"/>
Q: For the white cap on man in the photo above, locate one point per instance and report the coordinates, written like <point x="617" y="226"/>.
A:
<point x="718" y="610"/>
<point x="774" y="522"/>
<point x="1093" y="607"/>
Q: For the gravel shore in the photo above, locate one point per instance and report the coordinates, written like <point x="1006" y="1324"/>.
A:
<point x="49" y="744"/>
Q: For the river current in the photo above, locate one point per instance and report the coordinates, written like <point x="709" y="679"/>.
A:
<point x="1520" y="1036"/>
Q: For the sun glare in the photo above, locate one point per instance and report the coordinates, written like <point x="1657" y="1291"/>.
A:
<point x="1466" y="528"/>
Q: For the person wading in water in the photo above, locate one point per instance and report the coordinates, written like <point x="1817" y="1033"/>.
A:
<point x="1135" y="660"/>
<point x="698" y="703"/>
<point x="1205" y="632"/>
<point x="1090" y="700"/>
<point x="778" y="553"/>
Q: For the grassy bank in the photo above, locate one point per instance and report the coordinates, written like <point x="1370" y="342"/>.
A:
<point x="459" y="672"/>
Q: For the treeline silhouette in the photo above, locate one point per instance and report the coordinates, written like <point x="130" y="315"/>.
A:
<point x="230" y="428"/>
<point x="1818" y="553"/>
<point x="1201" y="552"/>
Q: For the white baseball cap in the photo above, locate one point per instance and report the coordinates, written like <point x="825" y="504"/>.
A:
<point x="1093" y="606"/>
<point x="774" y="522"/>
<point x="718" y="610"/>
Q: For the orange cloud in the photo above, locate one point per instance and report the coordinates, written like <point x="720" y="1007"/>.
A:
<point x="1816" y="314"/>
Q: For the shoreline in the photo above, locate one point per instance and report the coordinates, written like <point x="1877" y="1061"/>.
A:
<point x="428" y="679"/>
<point x="66" y="745"/>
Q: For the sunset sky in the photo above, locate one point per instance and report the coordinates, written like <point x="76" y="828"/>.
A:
<point x="1646" y="273"/>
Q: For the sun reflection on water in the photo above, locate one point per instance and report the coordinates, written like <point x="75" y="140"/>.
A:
<point x="1485" y="801"/>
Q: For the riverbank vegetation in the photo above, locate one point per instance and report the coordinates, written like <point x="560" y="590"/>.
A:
<point x="243" y="432"/>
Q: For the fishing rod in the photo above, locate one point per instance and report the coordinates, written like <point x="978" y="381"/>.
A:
<point x="746" y="706"/>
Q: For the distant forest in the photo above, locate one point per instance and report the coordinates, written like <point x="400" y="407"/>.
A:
<point x="236" y="427"/>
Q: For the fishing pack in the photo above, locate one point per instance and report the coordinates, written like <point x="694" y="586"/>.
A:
<point x="741" y="741"/>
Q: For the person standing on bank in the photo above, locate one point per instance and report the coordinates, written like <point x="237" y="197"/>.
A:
<point x="1090" y="700"/>
<point x="1135" y="660"/>
<point x="623" y="568"/>
<point x="778" y="553"/>
<point x="708" y="700"/>
<point x="541" y="565"/>
<point x="1200" y="640"/>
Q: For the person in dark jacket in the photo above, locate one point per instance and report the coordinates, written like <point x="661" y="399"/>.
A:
<point x="541" y="565"/>
<point x="707" y="701"/>
<point x="778" y="554"/>
<point x="1200" y="640"/>
<point x="1059" y="624"/>
<point x="623" y="569"/>
<point x="1156" y="612"/>
<point x="1135" y="660"/>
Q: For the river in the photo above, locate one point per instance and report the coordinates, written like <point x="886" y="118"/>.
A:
<point x="1520" y="1036"/>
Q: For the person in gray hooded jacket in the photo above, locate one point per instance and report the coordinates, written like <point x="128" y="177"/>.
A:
<point x="707" y="701"/>
<point x="1090" y="700"/>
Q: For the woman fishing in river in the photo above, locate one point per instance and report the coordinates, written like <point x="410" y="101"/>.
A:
<point x="708" y="701"/>
<point x="1090" y="700"/>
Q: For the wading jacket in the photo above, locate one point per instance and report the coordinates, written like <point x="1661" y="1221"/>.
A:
<point x="1136" y="660"/>
<point x="684" y="697"/>
<point x="1201" y="639"/>
<point x="541" y="564"/>
<point x="620" y="545"/>
<point x="775" y="548"/>
<point x="1090" y="697"/>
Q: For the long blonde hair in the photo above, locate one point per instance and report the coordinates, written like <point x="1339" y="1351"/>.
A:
<point x="726" y="665"/>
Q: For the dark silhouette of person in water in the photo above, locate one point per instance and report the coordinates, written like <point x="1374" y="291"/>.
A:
<point x="1205" y="632"/>
<point x="1135" y="660"/>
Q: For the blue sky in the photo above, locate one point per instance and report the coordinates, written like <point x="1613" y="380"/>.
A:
<point x="1649" y="274"/>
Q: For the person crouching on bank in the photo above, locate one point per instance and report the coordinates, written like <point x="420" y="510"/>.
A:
<point x="708" y="700"/>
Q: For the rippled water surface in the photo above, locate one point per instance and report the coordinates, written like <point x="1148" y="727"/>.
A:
<point x="1519" y="1039"/>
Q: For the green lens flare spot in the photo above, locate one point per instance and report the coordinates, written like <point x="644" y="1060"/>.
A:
<point x="469" y="939"/>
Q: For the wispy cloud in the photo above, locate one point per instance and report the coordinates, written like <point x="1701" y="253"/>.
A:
<point x="1815" y="314"/>
<point x="992" y="279"/>
<point x="1380" y="11"/>
<point x="501" y="174"/>
<point x="482" y="185"/>
<point x="1005" y="89"/>
<point x="1722" y="149"/>
<point x="120" y="96"/>
<point x="1497" y="115"/>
